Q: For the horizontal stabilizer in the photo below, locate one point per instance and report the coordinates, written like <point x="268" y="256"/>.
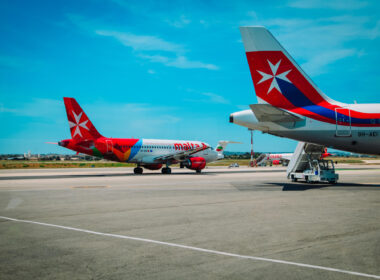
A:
<point x="268" y="113"/>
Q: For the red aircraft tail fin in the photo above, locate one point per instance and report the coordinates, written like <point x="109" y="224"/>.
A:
<point x="326" y="154"/>
<point x="277" y="78"/>
<point x="80" y="125"/>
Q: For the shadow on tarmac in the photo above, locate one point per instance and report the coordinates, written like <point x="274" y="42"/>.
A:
<point x="305" y="187"/>
<point x="282" y="186"/>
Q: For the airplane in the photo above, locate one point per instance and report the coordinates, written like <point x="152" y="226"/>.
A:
<point x="282" y="158"/>
<point x="290" y="104"/>
<point x="151" y="154"/>
<point x="273" y="159"/>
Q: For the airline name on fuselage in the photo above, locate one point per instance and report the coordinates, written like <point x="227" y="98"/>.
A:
<point x="187" y="146"/>
<point x="276" y="156"/>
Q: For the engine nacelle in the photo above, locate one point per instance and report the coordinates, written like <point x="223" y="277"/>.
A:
<point x="153" y="166"/>
<point x="276" y="162"/>
<point x="195" y="163"/>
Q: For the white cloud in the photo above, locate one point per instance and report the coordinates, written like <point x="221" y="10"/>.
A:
<point x="152" y="43"/>
<point x="323" y="41"/>
<point x="330" y="4"/>
<point x="38" y="107"/>
<point x="205" y="97"/>
<point x="127" y="119"/>
<point x="7" y="110"/>
<point x="203" y="22"/>
<point x="145" y="44"/>
<point x="215" y="98"/>
<point x="132" y="119"/>
<point x="318" y="63"/>
<point x="23" y="63"/>
<point x="142" y="42"/>
<point x="179" y="23"/>
<point x="375" y="32"/>
<point x="179" y="62"/>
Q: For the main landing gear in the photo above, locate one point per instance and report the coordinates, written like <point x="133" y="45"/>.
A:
<point x="138" y="170"/>
<point x="166" y="170"/>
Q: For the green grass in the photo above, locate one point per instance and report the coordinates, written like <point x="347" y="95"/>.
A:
<point x="227" y="162"/>
<point x="346" y="160"/>
<point x="9" y="164"/>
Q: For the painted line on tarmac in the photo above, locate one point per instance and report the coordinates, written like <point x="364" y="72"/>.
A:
<point x="195" y="248"/>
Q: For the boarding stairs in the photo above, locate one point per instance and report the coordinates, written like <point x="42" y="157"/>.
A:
<point x="261" y="160"/>
<point x="307" y="164"/>
<point x="303" y="154"/>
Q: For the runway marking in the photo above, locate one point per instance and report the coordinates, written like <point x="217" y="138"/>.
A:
<point x="89" y="187"/>
<point x="195" y="248"/>
<point x="13" y="203"/>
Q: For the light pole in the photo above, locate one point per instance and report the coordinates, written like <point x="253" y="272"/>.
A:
<point x="252" y="154"/>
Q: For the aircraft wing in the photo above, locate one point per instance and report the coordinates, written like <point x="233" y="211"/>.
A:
<point x="181" y="155"/>
<point x="269" y="113"/>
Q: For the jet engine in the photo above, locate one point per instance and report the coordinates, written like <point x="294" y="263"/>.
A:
<point x="154" y="166"/>
<point x="275" y="162"/>
<point x="195" y="163"/>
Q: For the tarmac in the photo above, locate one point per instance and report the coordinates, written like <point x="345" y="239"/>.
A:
<point x="226" y="223"/>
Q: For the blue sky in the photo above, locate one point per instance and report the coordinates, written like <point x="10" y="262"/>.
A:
<point x="167" y="69"/>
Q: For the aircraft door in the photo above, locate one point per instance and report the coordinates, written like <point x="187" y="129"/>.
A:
<point x="343" y="122"/>
<point x="109" y="146"/>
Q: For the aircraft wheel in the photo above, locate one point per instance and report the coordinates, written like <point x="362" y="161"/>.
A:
<point x="198" y="171"/>
<point x="294" y="179"/>
<point x="166" y="170"/>
<point x="138" y="170"/>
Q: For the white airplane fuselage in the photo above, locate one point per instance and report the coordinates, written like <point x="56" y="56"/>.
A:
<point x="365" y="140"/>
<point x="150" y="149"/>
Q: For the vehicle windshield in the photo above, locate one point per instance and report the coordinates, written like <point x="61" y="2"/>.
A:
<point x="326" y="164"/>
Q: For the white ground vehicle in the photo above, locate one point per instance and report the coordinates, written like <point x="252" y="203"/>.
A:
<point x="318" y="171"/>
<point x="307" y="164"/>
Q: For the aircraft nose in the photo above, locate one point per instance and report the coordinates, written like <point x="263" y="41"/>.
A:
<point x="232" y="118"/>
